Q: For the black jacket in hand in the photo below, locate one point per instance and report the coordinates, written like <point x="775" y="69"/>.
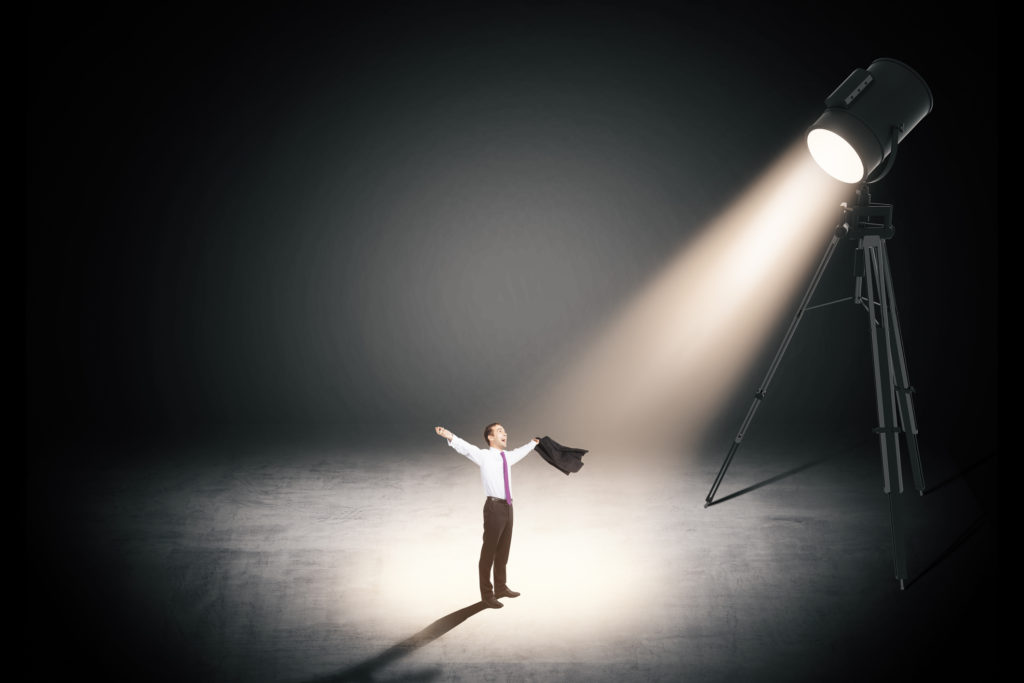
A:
<point x="562" y="457"/>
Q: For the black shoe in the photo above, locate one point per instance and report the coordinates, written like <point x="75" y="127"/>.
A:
<point x="491" y="601"/>
<point x="507" y="593"/>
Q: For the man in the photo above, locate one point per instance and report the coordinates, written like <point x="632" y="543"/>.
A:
<point x="494" y="466"/>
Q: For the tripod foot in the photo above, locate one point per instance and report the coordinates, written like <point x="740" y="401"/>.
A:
<point x="706" y="503"/>
<point x="902" y="586"/>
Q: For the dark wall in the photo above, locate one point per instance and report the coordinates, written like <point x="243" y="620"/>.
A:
<point x="341" y="217"/>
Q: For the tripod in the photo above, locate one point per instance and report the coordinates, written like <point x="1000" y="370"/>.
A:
<point x="871" y="225"/>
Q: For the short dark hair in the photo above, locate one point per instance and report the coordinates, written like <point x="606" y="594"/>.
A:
<point x="488" y="430"/>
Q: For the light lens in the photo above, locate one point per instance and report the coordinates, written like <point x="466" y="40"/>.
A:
<point x="835" y="155"/>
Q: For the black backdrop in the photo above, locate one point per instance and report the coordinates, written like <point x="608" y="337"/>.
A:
<point x="342" y="218"/>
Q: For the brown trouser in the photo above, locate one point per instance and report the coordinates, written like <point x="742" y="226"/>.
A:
<point x="497" y="542"/>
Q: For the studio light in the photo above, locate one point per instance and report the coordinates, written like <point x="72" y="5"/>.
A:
<point x="855" y="141"/>
<point x="866" y="117"/>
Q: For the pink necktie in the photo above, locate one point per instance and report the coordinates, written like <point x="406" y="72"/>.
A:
<point x="504" y="464"/>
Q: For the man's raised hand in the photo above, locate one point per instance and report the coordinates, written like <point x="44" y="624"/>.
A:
<point x="441" y="431"/>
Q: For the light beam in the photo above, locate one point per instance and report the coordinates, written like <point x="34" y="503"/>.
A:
<point x="662" y="369"/>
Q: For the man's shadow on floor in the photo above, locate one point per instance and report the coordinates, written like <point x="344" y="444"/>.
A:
<point x="365" y="671"/>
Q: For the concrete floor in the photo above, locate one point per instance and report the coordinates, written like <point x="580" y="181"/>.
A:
<point x="338" y="561"/>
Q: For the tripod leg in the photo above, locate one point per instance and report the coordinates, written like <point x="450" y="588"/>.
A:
<point x="898" y="550"/>
<point x="763" y="389"/>
<point x="904" y="392"/>
<point x="888" y="431"/>
<point x="728" y="459"/>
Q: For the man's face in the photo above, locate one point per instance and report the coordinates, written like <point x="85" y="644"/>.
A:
<point x="498" y="437"/>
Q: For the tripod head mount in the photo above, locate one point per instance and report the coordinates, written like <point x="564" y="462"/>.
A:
<point x="864" y="217"/>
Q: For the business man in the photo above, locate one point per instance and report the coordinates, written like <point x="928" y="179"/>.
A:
<point x="495" y="463"/>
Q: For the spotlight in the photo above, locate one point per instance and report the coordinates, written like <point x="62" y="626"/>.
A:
<point x="866" y="117"/>
<point x="857" y="136"/>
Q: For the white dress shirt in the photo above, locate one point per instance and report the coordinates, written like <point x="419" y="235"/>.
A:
<point x="492" y="473"/>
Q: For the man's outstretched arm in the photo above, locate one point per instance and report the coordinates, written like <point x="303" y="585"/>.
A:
<point x="464" y="447"/>
<point x="521" y="452"/>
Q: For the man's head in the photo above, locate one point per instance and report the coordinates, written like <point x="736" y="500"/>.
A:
<point x="496" y="436"/>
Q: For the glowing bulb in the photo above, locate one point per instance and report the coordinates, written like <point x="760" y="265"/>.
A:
<point x="835" y="155"/>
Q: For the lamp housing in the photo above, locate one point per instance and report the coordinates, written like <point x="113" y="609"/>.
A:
<point x="866" y="117"/>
